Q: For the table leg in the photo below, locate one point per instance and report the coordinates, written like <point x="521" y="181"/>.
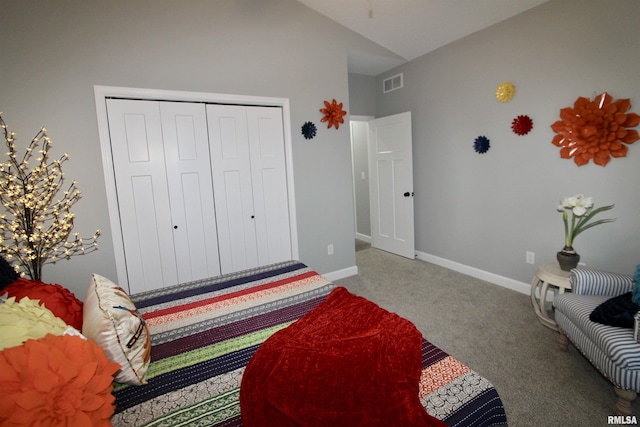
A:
<point x="535" y="284"/>
<point x="543" y="300"/>
<point x="539" y="303"/>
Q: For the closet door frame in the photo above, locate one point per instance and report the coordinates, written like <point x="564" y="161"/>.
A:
<point x="102" y="93"/>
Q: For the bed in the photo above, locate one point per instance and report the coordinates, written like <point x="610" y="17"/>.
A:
<point x="204" y="333"/>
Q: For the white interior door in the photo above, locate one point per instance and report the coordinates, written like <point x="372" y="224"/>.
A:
<point x="231" y="166"/>
<point x="188" y="168"/>
<point x="250" y="185"/>
<point x="165" y="194"/>
<point x="391" y="184"/>
<point x="139" y="164"/>
<point x="269" y="183"/>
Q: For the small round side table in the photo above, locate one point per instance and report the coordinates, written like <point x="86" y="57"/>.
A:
<point x="549" y="277"/>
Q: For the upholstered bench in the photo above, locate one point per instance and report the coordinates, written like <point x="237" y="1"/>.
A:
<point x="612" y="350"/>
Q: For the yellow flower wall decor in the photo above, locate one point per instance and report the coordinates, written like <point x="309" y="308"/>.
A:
<point x="505" y="92"/>
<point x="595" y="130"/>
<point x="333" y="114"/>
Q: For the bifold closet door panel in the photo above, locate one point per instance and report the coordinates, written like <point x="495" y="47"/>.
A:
<point x="165" y="193"/>
<point x="232" y="187"/>
<point x="188" y="168"/>
<point x="135" y="130"/>
<point x="250" y="185"/>
<point x="269" y="179"/>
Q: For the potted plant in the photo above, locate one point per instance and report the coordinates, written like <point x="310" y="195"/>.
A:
<point x="581" y="211"/>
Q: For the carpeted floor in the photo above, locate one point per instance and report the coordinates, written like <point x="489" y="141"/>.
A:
<point x="362" y="245"/>
<point x="495" y="332"/>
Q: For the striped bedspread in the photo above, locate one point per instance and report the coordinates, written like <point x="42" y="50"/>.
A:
<point x="205" y="332"/>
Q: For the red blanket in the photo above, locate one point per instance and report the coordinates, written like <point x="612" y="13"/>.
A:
<point x="347" y="362"/>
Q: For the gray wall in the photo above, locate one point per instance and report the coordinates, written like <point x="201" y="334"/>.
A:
<point x="54" y="52"/>
<point x="362" y="95"/>
<point x="485" y="211"/>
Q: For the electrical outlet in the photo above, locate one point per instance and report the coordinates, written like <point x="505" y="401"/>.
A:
<point x="330" y="249"/>
<point x="530" y="257"/>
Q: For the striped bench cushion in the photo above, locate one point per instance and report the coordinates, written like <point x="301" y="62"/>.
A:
<point x="617" y="344"/>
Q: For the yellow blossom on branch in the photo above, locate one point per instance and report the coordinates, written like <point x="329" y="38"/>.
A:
<point x="35" y="228"/>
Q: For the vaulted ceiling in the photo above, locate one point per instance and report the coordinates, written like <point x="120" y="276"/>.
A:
<point x="412" y="28"/>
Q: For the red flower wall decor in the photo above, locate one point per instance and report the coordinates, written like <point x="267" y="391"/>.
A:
<point x="522" y="125"/>
<point x="595" y="130"/>
<point x="333" y="114"/>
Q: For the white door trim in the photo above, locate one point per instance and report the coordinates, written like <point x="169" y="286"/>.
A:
<point x="101" y="93"/>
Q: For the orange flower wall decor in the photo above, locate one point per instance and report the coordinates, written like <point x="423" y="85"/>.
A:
<point x="333" y="114"/>
<point x="595" y="130"/>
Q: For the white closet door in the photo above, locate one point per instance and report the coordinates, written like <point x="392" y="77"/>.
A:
<point x="231" y="168"/>
<point x="268" y="172"/>
<point x="186" y="147"/>
<point x="139" y="165"/>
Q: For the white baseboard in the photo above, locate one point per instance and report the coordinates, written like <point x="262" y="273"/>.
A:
<point x="363" y="237"/>
<point x="505" y="282"/>
<point x="341" y="274"/>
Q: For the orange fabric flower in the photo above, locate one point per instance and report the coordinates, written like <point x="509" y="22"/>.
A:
<point x="595" y="130"/>
<point x="56" y="380"/>
<point x="61" y="301"/>
<point x="333" y="114"/>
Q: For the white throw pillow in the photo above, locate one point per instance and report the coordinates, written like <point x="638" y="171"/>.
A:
<point x="111" y="320"/>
